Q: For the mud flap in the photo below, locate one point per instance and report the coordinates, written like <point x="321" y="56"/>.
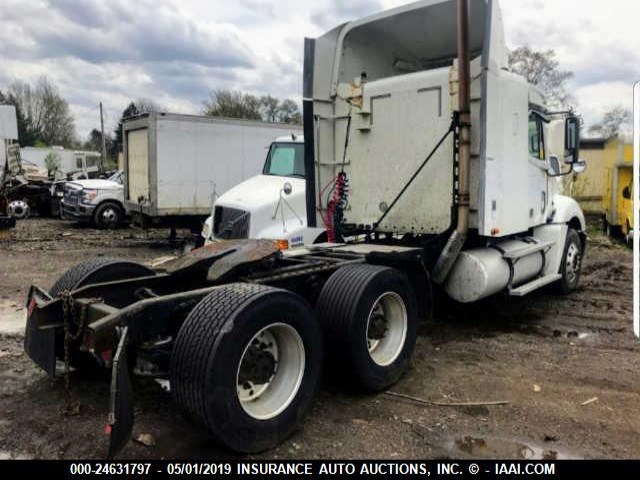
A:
<point x="120" y="419"/>
<point x="39" y="344"/>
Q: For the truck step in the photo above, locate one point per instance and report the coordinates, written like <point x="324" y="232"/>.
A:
<point x="528" y="250"/>
<point x="522" y="290"/>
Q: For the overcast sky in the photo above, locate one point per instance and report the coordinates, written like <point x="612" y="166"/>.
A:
<point x="176" y="51"/>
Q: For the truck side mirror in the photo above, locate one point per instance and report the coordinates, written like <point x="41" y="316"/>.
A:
<point x="579" y="166"/>
<point x="554" y="165"/>
<point x="626" y="192"/>
<point x="572" y="139"/>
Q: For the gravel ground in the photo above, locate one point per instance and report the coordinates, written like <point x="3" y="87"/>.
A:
<point x="548" y="356"/>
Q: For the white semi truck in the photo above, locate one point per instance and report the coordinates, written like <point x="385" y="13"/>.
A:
<point x="436" y="162"/>
<point x="271" y="205"/>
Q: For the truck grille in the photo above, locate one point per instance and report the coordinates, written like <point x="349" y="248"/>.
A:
<point x="230" y="223"/>
<point x="71" y="195"/>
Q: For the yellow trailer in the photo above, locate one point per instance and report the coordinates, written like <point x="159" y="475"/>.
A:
<point x="617" y="201"/>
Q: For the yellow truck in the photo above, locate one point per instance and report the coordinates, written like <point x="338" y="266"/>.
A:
<point x="617" y="201"/>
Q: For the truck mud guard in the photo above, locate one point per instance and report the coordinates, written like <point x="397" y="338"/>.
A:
<point x="120" y="419"/>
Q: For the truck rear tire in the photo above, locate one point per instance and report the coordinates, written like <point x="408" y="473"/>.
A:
<point x="571" y="263"/>
<point x="246" y="364"/>
<point x="370" y="320"/>
<point x="108" y="216"/>
<point x="95" y="270"/>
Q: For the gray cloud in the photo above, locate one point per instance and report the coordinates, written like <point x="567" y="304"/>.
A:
<point x="176" y="51"/>
<point x="117" y="31"/>
<point x="336" y="12"/>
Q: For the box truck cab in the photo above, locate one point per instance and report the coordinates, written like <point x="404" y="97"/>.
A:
<point x="270" y="205"/>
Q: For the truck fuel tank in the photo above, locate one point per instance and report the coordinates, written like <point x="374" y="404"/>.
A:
<point x="481" y="272"/>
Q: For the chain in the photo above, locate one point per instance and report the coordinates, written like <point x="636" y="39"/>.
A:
<point x="68" y="310"/>
<point x="69" y="316"/>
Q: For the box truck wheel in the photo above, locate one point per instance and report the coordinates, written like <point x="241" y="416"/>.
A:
<point x="108" y="215"/>
<point x="369" y="316"/>
<point x="95" y="270"/>
<point x="246" y="364"/>
<point x="571" y="263"/>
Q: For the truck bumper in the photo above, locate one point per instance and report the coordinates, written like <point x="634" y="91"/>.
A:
<point x="77" y="212"/>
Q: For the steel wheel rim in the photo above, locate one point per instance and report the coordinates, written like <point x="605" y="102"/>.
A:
<point x="263" y="401"/>
<point x="110" y="216"/>
<point x="572" y="263"/>
<point x="390" y="314"/>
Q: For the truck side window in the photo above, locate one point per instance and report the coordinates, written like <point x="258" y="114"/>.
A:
<point x="536" y="144"/>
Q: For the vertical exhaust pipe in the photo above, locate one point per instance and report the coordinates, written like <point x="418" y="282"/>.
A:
<point x="459" y="235"/>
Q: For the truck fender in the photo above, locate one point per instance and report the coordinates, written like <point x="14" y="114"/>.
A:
<point x="567" y="211"/>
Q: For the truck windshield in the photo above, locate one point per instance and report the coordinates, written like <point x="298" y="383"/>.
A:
<point x="117" y="177"/>
<point x="285" y="160"/>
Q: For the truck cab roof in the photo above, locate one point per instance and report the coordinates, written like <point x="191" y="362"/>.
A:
<point x="290" y="138"/>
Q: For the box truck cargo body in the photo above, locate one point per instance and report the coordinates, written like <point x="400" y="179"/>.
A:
<point x="176" y="165"/>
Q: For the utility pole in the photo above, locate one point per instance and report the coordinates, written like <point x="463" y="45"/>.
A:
<point x="104" y="146"/>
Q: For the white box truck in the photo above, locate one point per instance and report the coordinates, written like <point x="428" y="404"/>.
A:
<point x="176" y="165"/>
<point x="82" y="162"/>
<point x="443" y="169"/>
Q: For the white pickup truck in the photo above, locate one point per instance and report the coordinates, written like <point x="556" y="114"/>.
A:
<point x="270" y="205"/>
<point x="97" y="201"/>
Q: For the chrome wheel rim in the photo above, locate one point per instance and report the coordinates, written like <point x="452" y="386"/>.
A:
<point x="270" y="371"/>
<point x="386" y="328"/>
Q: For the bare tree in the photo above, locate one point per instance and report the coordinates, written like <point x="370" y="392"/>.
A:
<point x="45" y="111"/>
<point x="270" y="108"/>
<point x="232" y="104"/>
<point x="612" y="122"/>
<point x="541" y="69"/>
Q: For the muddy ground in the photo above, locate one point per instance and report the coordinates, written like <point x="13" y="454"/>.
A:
<point x="569" y="368"/>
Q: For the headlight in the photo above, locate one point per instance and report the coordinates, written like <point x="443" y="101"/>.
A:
<point x="59" y="193"/>
<point x="89" y="195"/>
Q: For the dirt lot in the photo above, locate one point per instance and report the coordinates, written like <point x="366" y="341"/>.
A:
<point x="545" y="355"/>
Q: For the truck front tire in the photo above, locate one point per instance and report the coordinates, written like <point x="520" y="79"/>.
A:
<point x="108" y="216"/>
<point x="370" y="320"/>
<point x="246" y="364"/>
<point x="571" y="264"/>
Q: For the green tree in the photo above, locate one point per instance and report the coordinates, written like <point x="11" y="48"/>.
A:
<point x="94" y="142"/>
<point x="137" y="107"/>
<point x="52" y="162"/>
<point x="612" y="123"/>
<point x="289" y="112"/>
<point x="232" y="104"/>
<point x="130" y="111"/>
<point x="542" y="69"/>
<point x="27" y="135"/>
